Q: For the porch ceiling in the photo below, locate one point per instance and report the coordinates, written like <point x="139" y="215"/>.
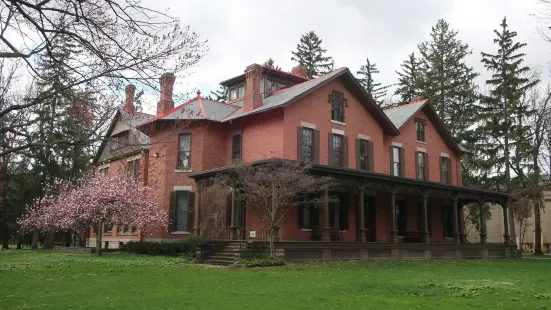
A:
<point x="379" y="181"/>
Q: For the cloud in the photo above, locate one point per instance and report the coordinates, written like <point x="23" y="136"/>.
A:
<point x="242" y="32"/>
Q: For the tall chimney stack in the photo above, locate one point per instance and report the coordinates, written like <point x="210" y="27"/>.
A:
<point x="167" y="85"/>
<point x="253" y="97"/>
<point x="130" y="90"/>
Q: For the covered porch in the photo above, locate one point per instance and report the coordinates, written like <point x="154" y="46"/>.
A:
<point x="373" y="215"/>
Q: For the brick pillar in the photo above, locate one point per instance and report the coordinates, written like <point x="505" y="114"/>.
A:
<point x="233" y="228"/>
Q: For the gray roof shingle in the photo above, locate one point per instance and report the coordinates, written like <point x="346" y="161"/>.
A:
<point x="400" y="114"/>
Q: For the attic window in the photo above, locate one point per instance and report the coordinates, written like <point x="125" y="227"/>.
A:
<point x="237" y="92"/>
<point x="420" y="126"/>
<point x="337" y="106"/>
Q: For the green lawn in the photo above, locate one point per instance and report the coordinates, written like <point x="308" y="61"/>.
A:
<point x="42" y="279"/>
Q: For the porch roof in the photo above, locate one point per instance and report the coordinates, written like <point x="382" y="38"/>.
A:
<point x="382" y="181"/>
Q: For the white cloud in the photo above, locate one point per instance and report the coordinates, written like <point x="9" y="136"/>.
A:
<point x="242" y="32"/>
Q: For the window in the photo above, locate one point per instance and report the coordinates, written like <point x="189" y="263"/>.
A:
<point x="271" y="86"/>
<point x="182" y="210"/>
<point x="126" y="230"/>
<point x="400" y="208"/>
<point x="338" y="212"/>
<point x="396" y="161"/>
<point x="420" y="163"/>
<point x="338" y="147"/>
<point x="337" y="106"/>
<point x="420" y="124"/>
<point x="133" y="168"/>
<point x="308" y="145"/>
<point x="107" y="229"/>
<point x="237" y="92"/>
<point x="104" y="171"/>
<point x="445" y="176"/>
<point x="308" y="215"/>
<point x="184" y="152"/>
<point x="236" y="147"/>
<point x="364" y="155"/>
<point x="448" y="221"/>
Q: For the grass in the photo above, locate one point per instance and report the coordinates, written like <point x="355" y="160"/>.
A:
<point x="48" y="280"/>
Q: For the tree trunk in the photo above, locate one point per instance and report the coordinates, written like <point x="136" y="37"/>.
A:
<point x="19" y="241"/>
<point x="537" y="223"/>
<point x="271" y="239"/>
<point x="98" y="239"/>
<point x="34" y="245"/>
<point x="49" y="242"/>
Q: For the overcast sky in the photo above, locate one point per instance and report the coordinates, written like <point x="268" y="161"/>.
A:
<point x="242" y="32"/>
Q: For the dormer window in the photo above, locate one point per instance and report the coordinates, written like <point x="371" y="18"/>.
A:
<point x="271" y="86"/>
<point x="237" y="92"/>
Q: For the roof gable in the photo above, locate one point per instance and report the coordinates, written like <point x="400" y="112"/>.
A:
<point x="401" y="115"/>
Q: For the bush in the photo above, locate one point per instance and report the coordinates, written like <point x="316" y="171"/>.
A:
<point x="186" y="247"/>
<point x="261" y="262"/>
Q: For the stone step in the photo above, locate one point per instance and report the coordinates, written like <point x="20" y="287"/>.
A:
<point x="218" y="262"/>
<point x="224" y="256"/>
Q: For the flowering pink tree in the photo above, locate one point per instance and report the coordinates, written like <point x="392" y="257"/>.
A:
<point x="96" y="201"/>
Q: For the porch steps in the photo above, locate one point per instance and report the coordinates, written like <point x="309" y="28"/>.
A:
<point x="230" y="253"/>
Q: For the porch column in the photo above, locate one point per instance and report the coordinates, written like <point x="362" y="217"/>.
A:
<point x="425" y="233"/>
<point x="506" y="235"/>
<point x="456" y="235"/>
<point x="393" y="231"/>
<point x="197" y="218"/>
<point x="326" y="226"/>
<point x="361" y="229"/>
<point x="233" y="228"/>
<point x="482" y="222"/>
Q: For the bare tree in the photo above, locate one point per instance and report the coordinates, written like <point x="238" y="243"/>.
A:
<point x="117" y="41"/>
<point x="272" y="188"/>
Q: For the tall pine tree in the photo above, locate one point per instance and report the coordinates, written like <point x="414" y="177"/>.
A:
<point x="504" y="114"/>
<point x="310" y="54"/>
<point x="409" y="79"/>
<point x="220" y="95"/>
<point x="366" y="73"/>
<point x="446" y="80"/>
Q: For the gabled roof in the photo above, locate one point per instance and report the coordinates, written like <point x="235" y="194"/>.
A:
<point x="124" y="121"/>
<point x="400" y="115"/>
<point x="289" y="95"/>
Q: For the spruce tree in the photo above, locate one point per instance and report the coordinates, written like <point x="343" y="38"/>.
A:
<point x="220" y="95"/>
<point x="271" y="64"/>
<point x="503" y="117"/>
<point x="310" y="54"/>
<point x="447" y="81"/>
<point x="408" y="79"/>
<point x="365" y="74"/>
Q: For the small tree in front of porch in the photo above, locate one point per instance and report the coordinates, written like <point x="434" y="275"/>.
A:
<point x="96" y="201"/>
<point x="272" y="188"/>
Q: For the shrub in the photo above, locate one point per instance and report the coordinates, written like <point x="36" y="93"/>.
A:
<point x="261" y="262"/>
<point x="186" y="247"/>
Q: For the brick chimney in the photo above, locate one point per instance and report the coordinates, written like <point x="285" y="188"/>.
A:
<point x="167" y="85"/>
<point x="300" y="70"/>
<point x="253" y="97"/>
<point x="129" y="102"/>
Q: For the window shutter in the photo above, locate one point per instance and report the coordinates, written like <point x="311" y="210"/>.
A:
<point x="228" y="211"/>
<point x="449" y="164"/>
<point x="391" y="160"/>
<point x="330" y="149"/>
<point x="402" y="162"/>
<point x="172" y="212"/>
<point x="190" y="211"/>
<point x="358" y="148"/>
<point x="300" y="155"/>
<point x="440" y="168"/>
<point x="316" y="146"/>
<point x="345" y="151"/>
<point x="370" y="159"/>
<point x="416" y="165"/>
<point x="343" y="216"/>
<point x="426" y="166"/>
<point x="314" y="217"/>
<point x="300" y="209"/>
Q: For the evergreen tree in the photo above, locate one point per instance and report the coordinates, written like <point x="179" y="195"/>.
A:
<point x="271" y="63"/>
<point x="504" y="114"/>
<point x="310" y="54"/>
<point x="220" y="95"/>
<point x="408" y="79"/>
<point x="366" y="73"/>
<point x="447" y="81"/>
